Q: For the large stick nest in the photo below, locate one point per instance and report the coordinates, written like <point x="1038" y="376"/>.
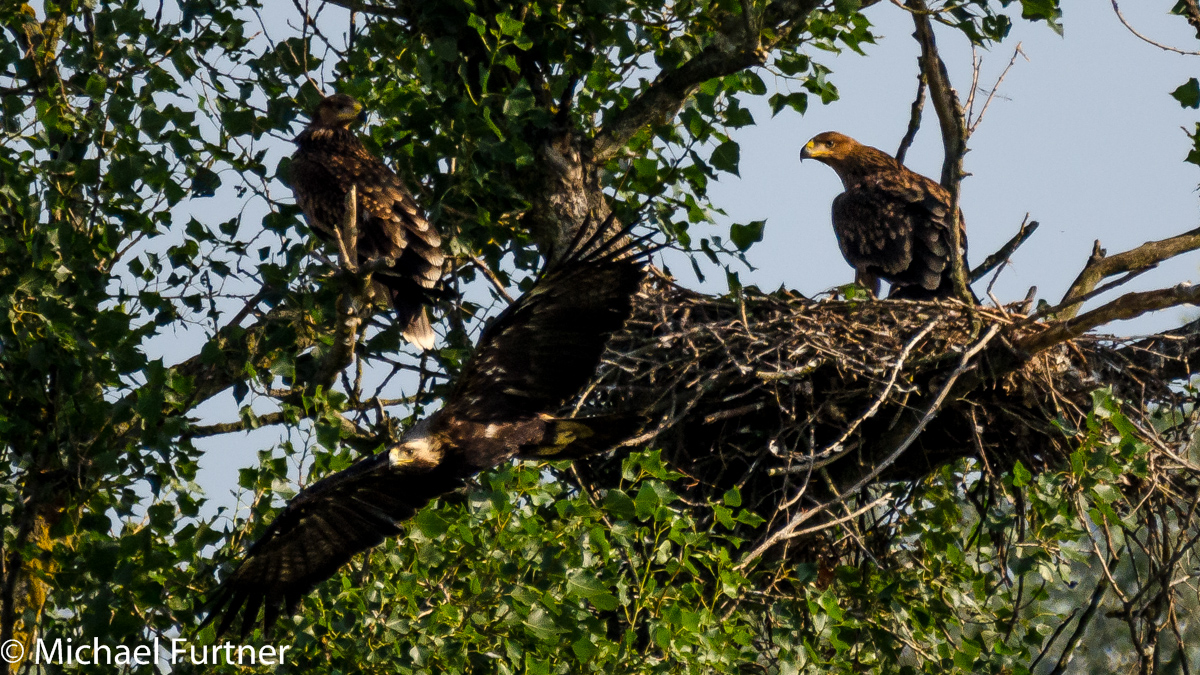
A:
<point x="783" y="396"/>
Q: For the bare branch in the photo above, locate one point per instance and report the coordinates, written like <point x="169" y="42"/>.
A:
<point x="206" y="430"/>
<point x="1100" y="267"/>
<point x="914" y="119"/>
<point x="972" y="124"/>
<point x="1057" y="309"/>
<point x="487" y="272"/>
<point x="1081" y="627"/>
<point x="1143" y="38"/>
<point x="1005" y="252"/>
<point x="401" y="12"/>
<point x="1127" y="306"/>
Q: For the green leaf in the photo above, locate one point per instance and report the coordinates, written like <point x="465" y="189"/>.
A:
<point x="726" y="157"/>
<point x="474" y="21"/>
<point x="431" y="524"/>
<point x="732" y="497"/>
<point x="1043" y="10"/>
<point x="509" y="25"/>
<point x="1020" y="474"/>
<point x="1188" y="94"/>
<point x="96" y="86"/>
<point x="745" y="236"/>
<point x="205" y="182"/>
<point x="619" y="504"/>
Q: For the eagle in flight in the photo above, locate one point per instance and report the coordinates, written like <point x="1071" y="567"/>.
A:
<point x="529" y="360"/>
<point x="891" y="223"/>
<point x="329" y="160"/>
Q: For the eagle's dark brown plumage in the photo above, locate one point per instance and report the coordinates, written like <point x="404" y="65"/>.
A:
<point x="891" y="223"/>
<point x="533" y="357"/>
<point x="329" y="160"/>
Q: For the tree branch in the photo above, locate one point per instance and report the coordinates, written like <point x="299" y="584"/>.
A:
<point x="1127" y="306"/>
<point x="349" y="319"/>
<point x="1191" y="11"/>
<point x="1099" y="267"/>
<point x="914" y="119"/>
<point x="954" y="135"/>
<point x="258" y="345"/>
<point x="670" y="90"/>
<point x="1028" y="227"/>
<point x="736" y="46"/>
<point x="369" y="8"/>
<point x="1143" y="38"/>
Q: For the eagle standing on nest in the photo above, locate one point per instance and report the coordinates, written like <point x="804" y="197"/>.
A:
<point x="891" y="223"/>
<point x="530" y="359"/>
<point x="328" y="162"/>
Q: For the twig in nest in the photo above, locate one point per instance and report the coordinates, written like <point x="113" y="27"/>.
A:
<point x="833" y="451"/>
<point x="964" y="364"/>
<point x="838" y="521"/>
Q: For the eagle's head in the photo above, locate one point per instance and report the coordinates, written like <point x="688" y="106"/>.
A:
<point x="828" y="147"/>
<point x="338" y="110"/>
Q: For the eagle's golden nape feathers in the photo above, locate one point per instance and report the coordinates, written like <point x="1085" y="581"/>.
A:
<point x="537" y="354"/>
<point x="891" y="223"/>
<point x="329" y="161"/>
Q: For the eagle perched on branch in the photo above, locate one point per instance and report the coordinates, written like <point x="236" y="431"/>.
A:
<point x="529" y="360"/>
<point x="891" y="223"/>
<point x="329" y="160"/>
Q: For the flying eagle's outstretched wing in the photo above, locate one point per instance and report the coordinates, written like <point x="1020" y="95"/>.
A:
<point x="529" y="360"/>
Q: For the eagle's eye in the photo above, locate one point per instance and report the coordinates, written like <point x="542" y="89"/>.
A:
<point x="829" y="144"/>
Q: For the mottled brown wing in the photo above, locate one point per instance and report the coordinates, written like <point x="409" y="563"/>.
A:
<point x="321" y="529"/>
<point x="897" y="228"/>
<point x="390" y="224"/>
<point x="544" y="347"/>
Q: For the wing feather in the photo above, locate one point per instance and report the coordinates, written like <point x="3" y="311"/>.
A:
<point x="320" y="530"/>
<point x="538" y="352"/>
